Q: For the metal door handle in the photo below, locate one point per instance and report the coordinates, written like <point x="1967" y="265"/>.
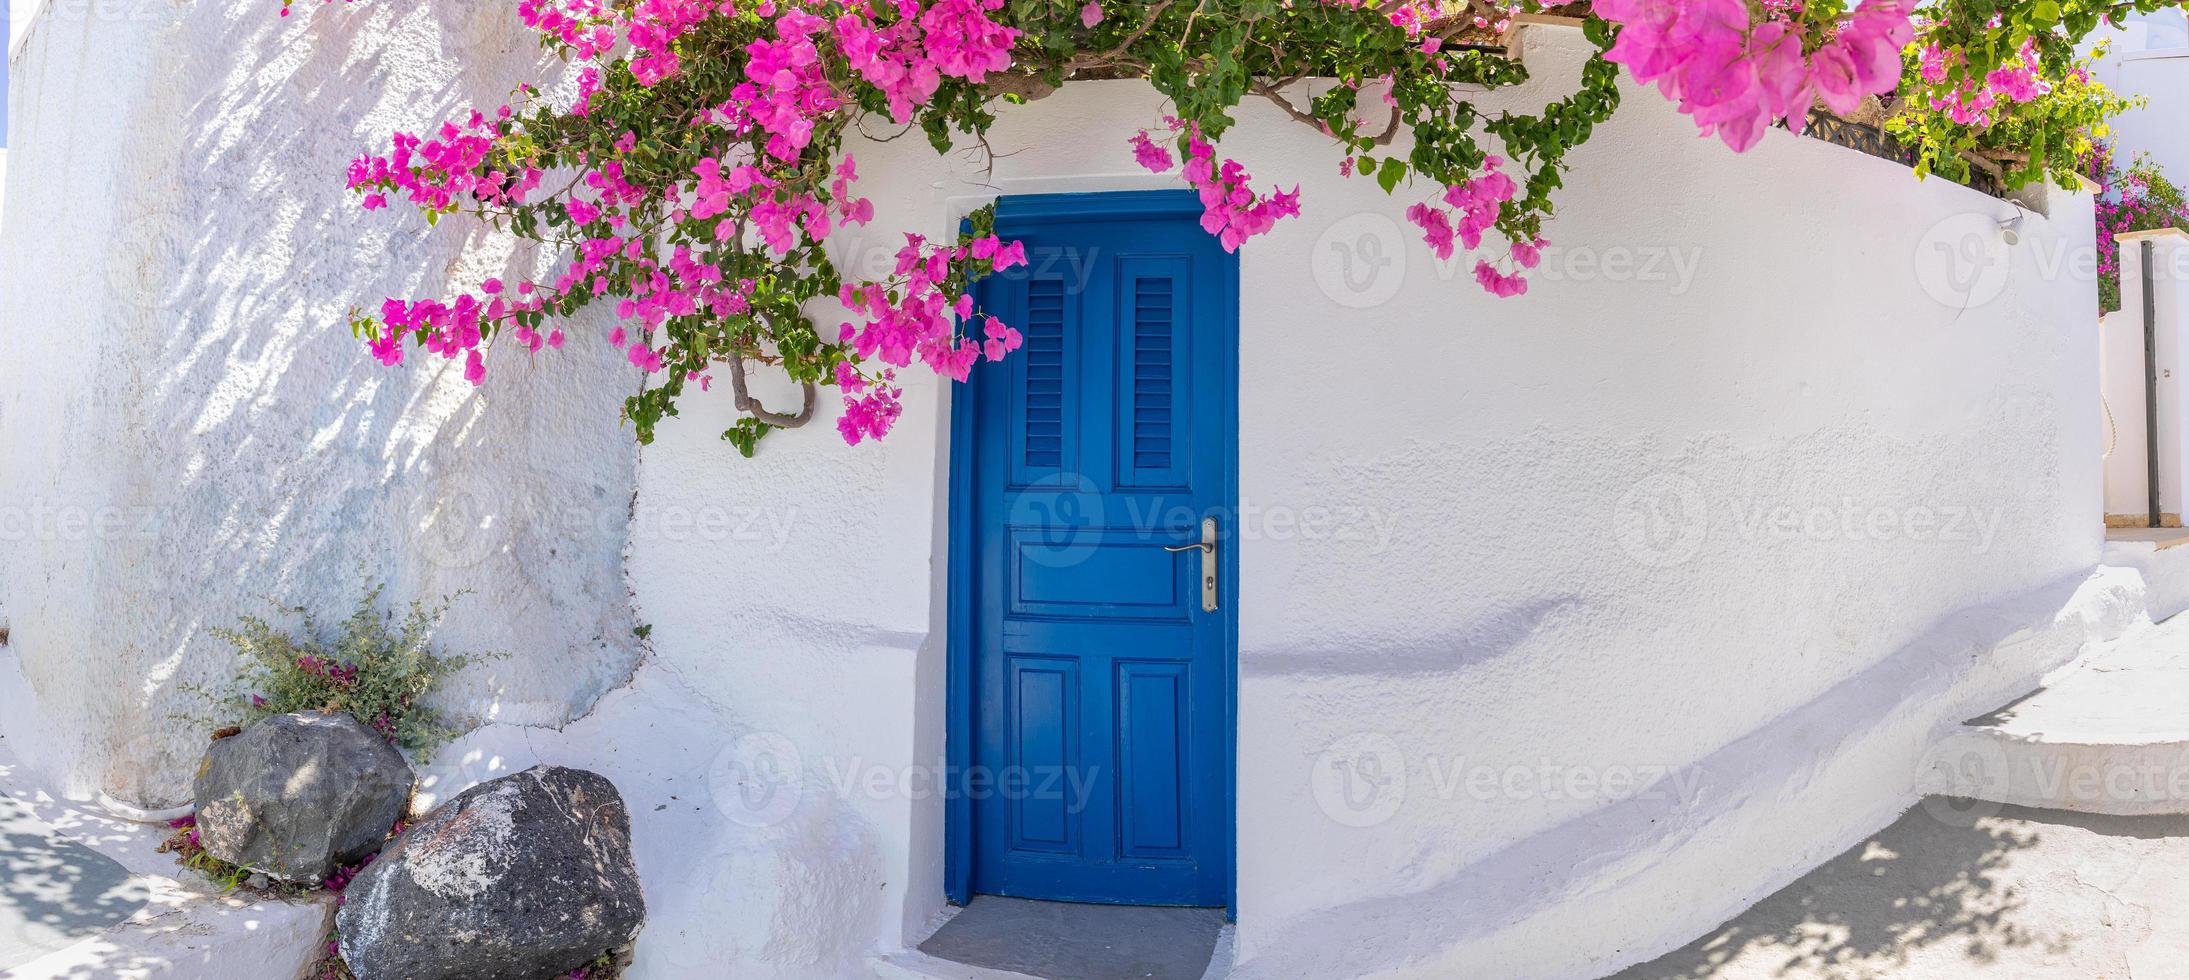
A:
<point x="1207" y="547"/>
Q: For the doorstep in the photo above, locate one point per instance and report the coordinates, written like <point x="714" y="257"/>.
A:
<point x="997" y="938"/>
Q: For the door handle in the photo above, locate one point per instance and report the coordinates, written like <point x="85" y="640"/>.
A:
<point x="1207" y="547"/>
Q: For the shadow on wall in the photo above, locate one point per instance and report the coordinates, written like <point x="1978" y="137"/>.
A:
<point x="241" y="444"/>
<point x="1955" y="887"/>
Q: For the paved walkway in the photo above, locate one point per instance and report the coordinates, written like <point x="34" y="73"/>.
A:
<point x="87" y="896"/>
<point x="53" y="890"/>
<point x="1958" y="889"/>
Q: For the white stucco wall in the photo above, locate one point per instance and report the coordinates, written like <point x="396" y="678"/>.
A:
<point x="1773" y="339"/>
<point x="187" y="424"/>
<point x="1760" y="488"/>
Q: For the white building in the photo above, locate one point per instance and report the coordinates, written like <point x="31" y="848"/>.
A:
<point x="1560" y="628"/>
<point x="2148" y="58"/>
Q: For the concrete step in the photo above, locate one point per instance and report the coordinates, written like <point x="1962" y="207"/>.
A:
<point x="2107" y="734"/>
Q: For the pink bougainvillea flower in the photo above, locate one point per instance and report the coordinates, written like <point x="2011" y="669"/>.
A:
<point x="1154" y="158"/>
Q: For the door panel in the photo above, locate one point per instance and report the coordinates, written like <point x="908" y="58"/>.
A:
<point x="1099" y="687"/>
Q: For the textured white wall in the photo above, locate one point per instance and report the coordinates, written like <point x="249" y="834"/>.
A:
<point x="1739" y="492"/>
<point x="186" y="422"/>
<point x="1765" y="486"/>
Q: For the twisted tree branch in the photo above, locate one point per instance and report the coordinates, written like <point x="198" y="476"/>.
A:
<point x="751" y="406"/>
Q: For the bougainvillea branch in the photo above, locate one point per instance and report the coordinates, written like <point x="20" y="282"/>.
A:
<point x="696" y="180"/>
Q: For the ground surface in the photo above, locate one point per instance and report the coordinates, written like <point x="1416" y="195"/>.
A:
<point x="1955" y="890"/>
<point x="53" y="890"/>
<point x="1063" y="941"/>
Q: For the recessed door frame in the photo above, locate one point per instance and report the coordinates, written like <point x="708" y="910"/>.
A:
<point x="962" y="600"/>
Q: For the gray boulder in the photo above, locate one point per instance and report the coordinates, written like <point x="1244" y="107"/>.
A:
<point x="297" y="796"/>
<point x="520" y="878"/>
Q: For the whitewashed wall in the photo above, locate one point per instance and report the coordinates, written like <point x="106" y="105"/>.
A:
<point x="186" y="423"/>
<point x="1784" y="465"/>
<point x="1742" y="493"/>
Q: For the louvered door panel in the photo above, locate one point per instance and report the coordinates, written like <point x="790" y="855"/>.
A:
<point x="1044" y="423"/>
<point x="1154" y="427"/>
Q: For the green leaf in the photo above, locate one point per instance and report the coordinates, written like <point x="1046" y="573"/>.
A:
<point x="1390" y="173"/>
<point x="746" y="435"/>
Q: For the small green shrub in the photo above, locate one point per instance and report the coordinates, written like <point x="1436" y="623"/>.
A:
<point x="375" y="667"/>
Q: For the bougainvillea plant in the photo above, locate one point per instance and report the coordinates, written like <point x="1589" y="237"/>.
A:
<point x="2035" y="116"/>
<point x="695" y="181"/>
<point x="2138" y="197"/>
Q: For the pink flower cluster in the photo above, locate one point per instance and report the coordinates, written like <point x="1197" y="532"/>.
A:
<point x="1735" y="77"/>
<point x="1230" y="209"/>
<point x="1468" y="209"/>
<point x="457" y="328"/>
<point x="2128" y="201"/>
<point x="916" y="318"/>
<point x="763" y="189"/>
<point x="1477" y="203"/>
<point x="2017" y="81"/>
<point x="907" y="59"/>
<point x="342" y="876"/>
<point x="434" y="171"/>
<point x="343" y="675"/>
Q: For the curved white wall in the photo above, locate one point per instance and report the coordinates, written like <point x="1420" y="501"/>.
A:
<point x="1748" y="492"/>
<point x="187" y="424"/>
<point x="1760" y="489"/>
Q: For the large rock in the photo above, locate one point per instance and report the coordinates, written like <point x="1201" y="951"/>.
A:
<point x="521" y="878"/>
<point x="297" y="796"/>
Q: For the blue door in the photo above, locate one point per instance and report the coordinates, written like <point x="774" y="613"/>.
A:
<point x="1093" y="483"/>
